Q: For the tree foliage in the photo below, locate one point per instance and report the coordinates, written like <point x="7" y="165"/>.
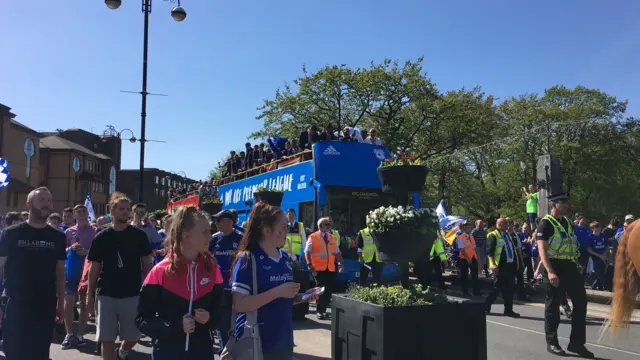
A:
<point x="480" y="152"/>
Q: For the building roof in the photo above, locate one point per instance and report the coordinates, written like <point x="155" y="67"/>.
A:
<point x="59" y="143"/>
<point x="25" y="128"/>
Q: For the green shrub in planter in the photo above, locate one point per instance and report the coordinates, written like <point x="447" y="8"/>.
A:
<point x="395" y="295"/>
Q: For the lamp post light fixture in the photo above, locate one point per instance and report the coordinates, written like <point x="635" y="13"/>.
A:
<point x="178" y="14"/>
<point x="113" y="4"/>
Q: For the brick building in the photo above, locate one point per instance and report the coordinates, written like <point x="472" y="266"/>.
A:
<point x="20" y="146"/>
<point x="71" y="163"/>
<point x="74" y="171"/>
<point x="156" y="185"/>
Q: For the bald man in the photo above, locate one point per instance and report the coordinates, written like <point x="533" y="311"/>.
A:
<point x="503" y="261"/>
<point x="32" y="257"/>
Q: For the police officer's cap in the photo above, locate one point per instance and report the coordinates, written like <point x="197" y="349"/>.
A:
<point x="558" y="197"/>
<point x="224" y="214"/>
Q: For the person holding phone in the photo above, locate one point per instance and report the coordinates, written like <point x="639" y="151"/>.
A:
<point x="276" y="292"/>
<point x="180" y="300"/>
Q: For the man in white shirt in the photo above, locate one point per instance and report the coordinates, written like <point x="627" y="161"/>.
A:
<point x="372" y="138"/>
<point x="324" y="263"/>
<point x="352" y="133"/>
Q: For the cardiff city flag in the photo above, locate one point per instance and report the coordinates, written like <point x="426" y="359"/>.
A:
<point x="4" y="173"/>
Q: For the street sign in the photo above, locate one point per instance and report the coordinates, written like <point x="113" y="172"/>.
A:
<point x="29" y="151"/>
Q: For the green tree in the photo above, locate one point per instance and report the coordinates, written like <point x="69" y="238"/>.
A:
<point x="395" y="99"/>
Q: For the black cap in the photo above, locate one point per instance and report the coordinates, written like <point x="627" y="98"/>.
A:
<point x="291" y="210"/>
<point x="224" y="214"/>
<point x="558" y="197"/>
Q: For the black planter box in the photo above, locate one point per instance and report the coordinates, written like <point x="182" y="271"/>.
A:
<point x="403" y="245"/>
<point x="363" y="331"/>
<point x="402" y="179"/>
<point x="270" y="197"/>
<point x="211" y="208"/>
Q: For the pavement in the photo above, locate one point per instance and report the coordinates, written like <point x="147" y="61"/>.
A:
<point x="538" y="290"/>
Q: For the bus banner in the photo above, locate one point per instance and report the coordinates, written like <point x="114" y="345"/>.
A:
<point x="292" y="180"/>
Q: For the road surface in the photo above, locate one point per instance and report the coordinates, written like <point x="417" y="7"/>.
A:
<point x="508" y="338"/>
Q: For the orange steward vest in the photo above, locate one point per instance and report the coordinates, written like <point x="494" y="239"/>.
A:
<point x="469" y="246"/>
<point x="322" y="254"/>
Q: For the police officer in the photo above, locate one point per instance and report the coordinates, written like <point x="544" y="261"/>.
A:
<point x="369" y="258"/>
<point x="423" y="267"/>
<point x="295" y="234"/>
<point x="503" y="260"/>
<point x="558" y="250"/>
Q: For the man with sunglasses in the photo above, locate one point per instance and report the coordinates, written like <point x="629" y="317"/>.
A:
<point x="141" y="221"/>
<point x="559" y="252"/>
<point x="323" y="258"/>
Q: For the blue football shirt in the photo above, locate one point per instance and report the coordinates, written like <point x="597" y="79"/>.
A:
<point x="275" y="318"/>
<point x="598" y="243"/>
<point x="223" y="247"/>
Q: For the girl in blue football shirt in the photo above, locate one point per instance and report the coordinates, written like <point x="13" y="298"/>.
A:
<point x="277" y="292"/>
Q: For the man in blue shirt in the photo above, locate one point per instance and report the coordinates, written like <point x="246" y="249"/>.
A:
<point x="223" y="246"/>
<point x="582" y="235"/>
<point x="597" y="249"/>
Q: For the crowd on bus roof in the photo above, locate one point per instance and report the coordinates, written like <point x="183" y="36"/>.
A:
<point x="254" y="156"/>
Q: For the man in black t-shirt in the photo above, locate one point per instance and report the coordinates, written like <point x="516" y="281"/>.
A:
<point x="32" y="258"/>
<point x="558" y="249"/>
<point x="120" y="259"/>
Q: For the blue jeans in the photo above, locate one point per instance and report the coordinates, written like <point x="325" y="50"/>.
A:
<point x="173" y="352"/>
<point x="224" y="326"/>
<point x="531" y="219"/>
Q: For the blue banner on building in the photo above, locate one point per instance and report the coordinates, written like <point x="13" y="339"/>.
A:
<point x="292" y="180"/>
<point x="348" y="164"/>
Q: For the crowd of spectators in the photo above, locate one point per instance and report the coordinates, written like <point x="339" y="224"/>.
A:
<point x="259" y="158"/>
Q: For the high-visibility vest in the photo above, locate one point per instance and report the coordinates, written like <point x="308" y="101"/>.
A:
<point x="336" y="233"/>
<point x="295" y="239"/>
<point x="500" y="243"/>
<point x="469" y="246"/>
<point x="437" y="249"/>
<point x="369" y="248"/>
<point x="563" y="244"/>
<point x="323" y="254"/>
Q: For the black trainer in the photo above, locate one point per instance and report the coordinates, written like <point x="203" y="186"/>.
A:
<point x="80" y="341"/>
<point x="68" y="342"/>
<point x="581" y="351"/>
<point x="556" y="350"/>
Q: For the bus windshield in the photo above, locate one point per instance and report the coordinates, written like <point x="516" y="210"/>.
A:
<point x="349" y="208"/>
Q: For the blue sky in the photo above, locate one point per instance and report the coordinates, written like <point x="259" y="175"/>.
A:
<point x="64" y="62"/>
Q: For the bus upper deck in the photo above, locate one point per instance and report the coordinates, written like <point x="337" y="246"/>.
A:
<point x="339" y="180"/>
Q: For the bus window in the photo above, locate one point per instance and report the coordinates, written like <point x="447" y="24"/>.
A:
<point x="305" y="214"/>
<point x="349" y="208"/>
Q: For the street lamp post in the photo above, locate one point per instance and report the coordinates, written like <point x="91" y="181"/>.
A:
<point x="178" y="14"/>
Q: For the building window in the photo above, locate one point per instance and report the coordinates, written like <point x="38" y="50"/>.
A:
<point x="97" y="167"/>
<point x="9" y="198"/>
<point x="156" y="189"/>
<point x="157" y="181"/>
